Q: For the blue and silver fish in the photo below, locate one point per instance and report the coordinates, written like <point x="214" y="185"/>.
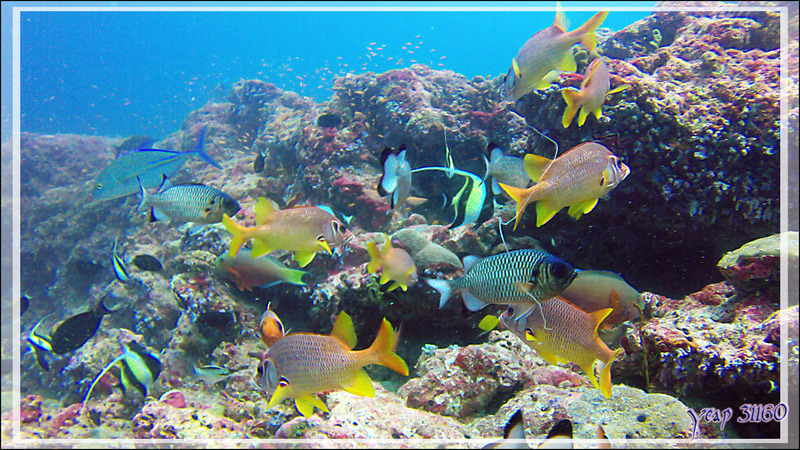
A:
<point x="519" y="277"/>
<point x="118" y="264"/>
<point x="149" y="165"/>
<point x="211" y="375"/>
<point x="188" y="203"/>
<point x="396" y="178"/>
<point x="505" y="169"/>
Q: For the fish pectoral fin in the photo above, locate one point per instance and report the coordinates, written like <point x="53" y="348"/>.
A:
<point x="471" y="302"/>
<point x="360" y="385"/>
<point x="567" y="63"/>
<point x="305" y="405"/>
<point x="584" y="207"/>
<point x="544" y="212"/>
<point x="260" y="248"/>
<point x="302" y="258"/>
<point x="524" y="286"/>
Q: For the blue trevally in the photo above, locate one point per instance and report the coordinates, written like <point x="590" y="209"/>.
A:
<point x="118" y="179"/>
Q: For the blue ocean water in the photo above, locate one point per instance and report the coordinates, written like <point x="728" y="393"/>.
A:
<point x="120" y="73"/>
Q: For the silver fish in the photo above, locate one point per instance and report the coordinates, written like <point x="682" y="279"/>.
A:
<point x="505" y="169"/>
<point x="396" y="178"/>
<point x="188" y="203"/>
<point x="510" y="278"/>
<point x="211" y="374"/>
<point x="118" y="179"/>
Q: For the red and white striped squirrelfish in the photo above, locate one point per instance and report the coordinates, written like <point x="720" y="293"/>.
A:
<point x="577" y="179"/>
<point x="592" y="94"/>
<point x="304" y="230"/>
<point x="560" y="331"/>
<point x="300" y="365"/>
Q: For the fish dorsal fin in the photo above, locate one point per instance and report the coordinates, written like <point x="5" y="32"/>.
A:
<point x="264" y="208"/>
<point x="598" y="316"/>
<point x="561" y="19"/>
<point x="344" y="331"/>
<point x="535" y="165"/>
<point x="470" y="261"/>
<point x="515" y="428"/>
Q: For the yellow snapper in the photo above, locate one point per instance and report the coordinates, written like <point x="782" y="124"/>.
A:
<point x="304" y="230"/>
<point x="248" y="272"/>
<point x="303" y="364"/>
<point x="546" y="51"/>
<point x="560" y="331"/>
<point x="396" y="262"/>
<point x="592" y="290"/>
<point x="592" y="94"/>
<point x="577" y="179"/>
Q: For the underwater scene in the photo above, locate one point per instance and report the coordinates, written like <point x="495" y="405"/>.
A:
<point x="557" y="228"/>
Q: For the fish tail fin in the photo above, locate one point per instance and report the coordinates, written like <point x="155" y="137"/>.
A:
<point x="202" y="153"/>
<point x="375" y="256"/>
<point x="384" y="346"/>
<point x="103" y="310"/>
<point x="586" y="31"/>
<point x="571" y="97"/>
<point x="605" y="375"/>
<point x="295" y="276"/>
<point x="523" y="198"/>
<point x="239" y="234"/>
<point x="443" y="286"/>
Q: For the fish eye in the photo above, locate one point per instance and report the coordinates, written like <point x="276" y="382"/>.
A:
<point x="99" y="186"/>
<point x="212" y="202"/>
<point x="283" y="382"/>
<point x="560" y="269"/>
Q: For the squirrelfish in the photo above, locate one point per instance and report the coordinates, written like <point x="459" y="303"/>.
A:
<point x="248" y="272"/>
<point x="396" y="178"/>
<point x="396" y="262"/>
<point x="595" y="86"/>
<point x="549" y="50"/>
<point x="520" y="277"/>
<point x="304" y="230"/>
<point x="577" y="179"/>
<point x="560" y="331"/>
<point x="303" y="364"/>
<point x="505" y="169"/>
<point x="118" y="179"/>
<point x="593" y="290"/>
<point x="187" y="203"/>
<point x="270" y="327"/>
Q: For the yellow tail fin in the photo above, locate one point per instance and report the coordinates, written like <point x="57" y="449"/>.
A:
<point x="521" y="196"/>
<point x="588" y="38"/>
<point x="375" y="254"/>
<point x="571" y="97"/>
<point x="238" y="234"/>
<point x="605" y="375"/>
<point x="384" y="346"/>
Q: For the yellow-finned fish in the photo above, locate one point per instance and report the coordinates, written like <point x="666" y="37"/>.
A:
<point x="304" y="230"/>
<point x="303" y="364"/>
<point x="396" y="262"/>
<point x="592" y="290"/>
<point x="577" y="179"/>
<point x="595" y="86"/>
<point x="560" y="331"/>
<point x="248" y="272"/>
<point x="548" y="51"/>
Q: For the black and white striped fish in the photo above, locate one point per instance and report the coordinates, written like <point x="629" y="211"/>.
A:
<point x="188" y="203"/>
<point x="510" y="278"/>
<point x="118" y="264"/>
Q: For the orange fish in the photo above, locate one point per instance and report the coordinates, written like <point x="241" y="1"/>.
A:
<point x="592" y="94"/>
<point x="577" y="179"/>
<point x="270" y="327"/>
<point x="303" y="364"/>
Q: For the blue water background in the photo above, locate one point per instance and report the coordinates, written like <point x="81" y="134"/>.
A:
<point x="122" y="73"/>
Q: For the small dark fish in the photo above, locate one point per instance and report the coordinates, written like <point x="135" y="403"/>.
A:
<point x="258" y="164"/>
<point x="72" y="333"/>
<point x="24" y="303"/>
<point x="328" y="120"/>
<point x="86" y="267"/>
<point x="147" y="262"/>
